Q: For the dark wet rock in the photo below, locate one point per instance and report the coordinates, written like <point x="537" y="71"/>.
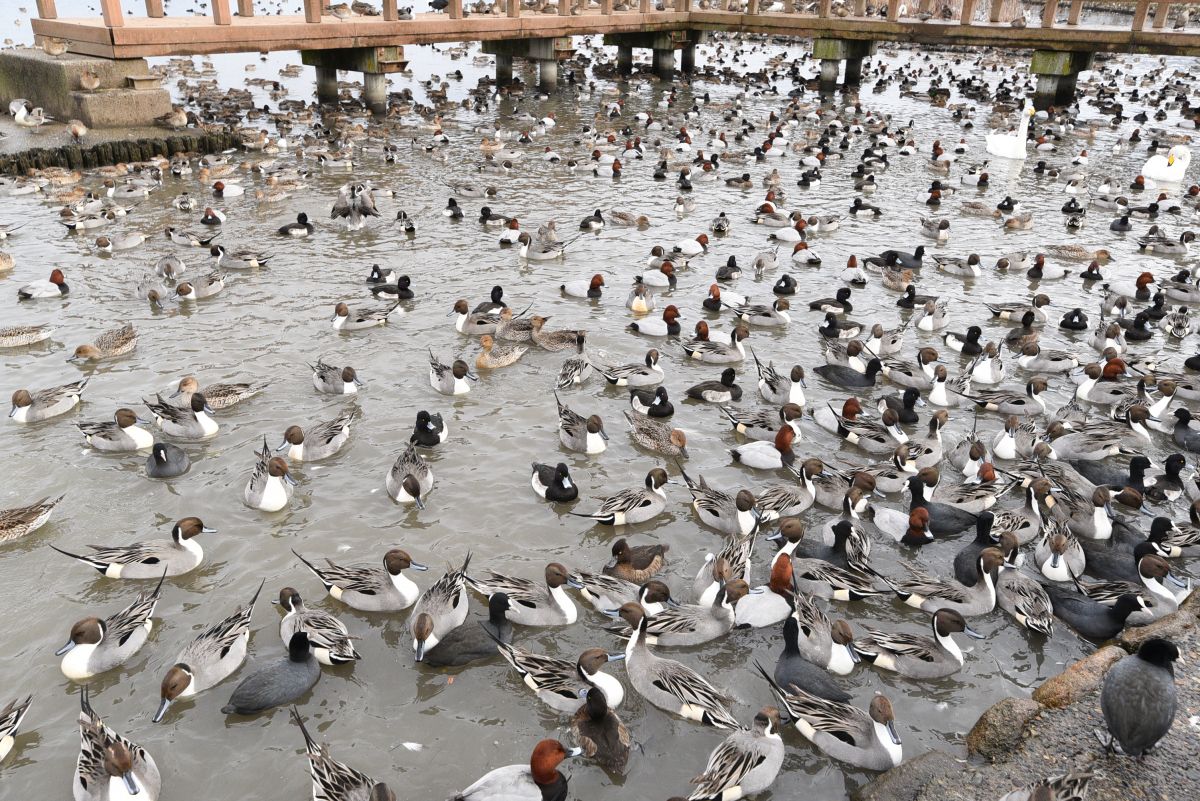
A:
<point x="1001" y="728"/>
<point x="905" y="782"/>
<point x="1079" y="678"/>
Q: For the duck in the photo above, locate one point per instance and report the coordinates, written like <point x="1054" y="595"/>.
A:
<point x="148" y="559"/>
<point x="657" y="436"/>
<point x="1054" y="788"/>
<point x="849" y="377"/>
<point x="401" y="289"/>
<point x="914" y="656"/>
<point x="538" y="780"/>
<point x="43" y="404"/>
<point x="734" y="515"/>
<point x="562" y="684"/>
<point x="271" y="484"/>
<point x="762" y="423"/>
<point x="110" y="766"/>
<point x="584" y="435"/>
<point x="773" y="316"/>
<point x="97" y="646"/>
<point x="644" y="374"/>
<point x="721" y="391"/>
<point x="692" y="624"/>
<point x="670" y="685"/>
<point x="440" y="609"/>
<point x="844" y="732"/>
<point x="554" y="483"/>
<point x="298" y="229"/>
<point x="330" y="640"/>
<point x="332" y="380"/>
<point x="55" y="287"/>
<point x="450" y="379"/>
<point x="712" y="351"/>
<point x="1138" y="698"/>
<point x="21" y="521"/>
<point x="792" y="669"/>
<point x="778" y="389"/>
<point x="746" y="762"/>
<point x="590" y="288"/>
<point x="320" y="441"/>
<point x="654" y="403"/>
<point x="633" y="505"/>
<point x="410" y="478"/>
<point x="668" y="325"/>
<point x="347" y="319"/>
<point x="213" y="656"/>
<point x="600" y="733"/>
<point x="109" y="345"/>
<point x="930" y="594"/>
<point x="218" y="396"/>
<point x="965" y="343"/>
<point x="370" y="589"/>
<point x="335" y="780"/>
<point x="534" y="604"/>
<point x="119" y="435"/>
<point x="276" y="682"/>
<point x="1030" y="402"/>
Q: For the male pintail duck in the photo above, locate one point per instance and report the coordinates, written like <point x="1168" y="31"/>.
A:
<point x="410" y="478"/>
<point x="645" y="374"/>
<point x="370" y="588"/>
<point x="328" y="637"/>
<point x="270" y="486"/>
<point x="191" y="423"/>
<point x="712" y="351"/>
<point x="735" y="515"/>
<point x="635" y="504"/>
<point x="110" y="766"/>
<point x="926" y="592"/>
<point x="745" y="763"/>
<point x="473" y="323"/>
<point x="670" y="685"/>
<point x="276" y="682"/>
<point x="333" y="380"/>
<point x="450" y="379"/>
<point x="11" y="717"/>
<point x="762" y="423"/>
<point x="562" y="684"/>
<point x="440" y="609"/>
<point x="577" y="433"/>
<point x="320" y="441"/>
<point x="1066" y="787"/>
<point x="146" y="560"/>
<point x="333" y="780"/>
<point x="863" y="739"/>
<point x="96" y="646"/>
<point x="43" y="404"/>
<point x="348" y="319"/>
<point x="538" y="780"/>
<point x="119" y="435"/>
<point x="534" y="604"/>
<point x="915" y="656"/>
<point x="213" y="656"/>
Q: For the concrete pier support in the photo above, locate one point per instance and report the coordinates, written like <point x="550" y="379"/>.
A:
<point x="327" y="88"/>
<point x="375" y="91"/>
<point x="624" y="59"/>
<point x="1057" y="73"/>
<point x="664" y="64"/>
<point x="832" y="52"/>
<point x="548" y="74"/>
<point x="853" y="71"/>
<point x="504" y="70"/>
<point x="374" y="62"/>
<point x="128" y="94"/>
<point x="687" y="59"/>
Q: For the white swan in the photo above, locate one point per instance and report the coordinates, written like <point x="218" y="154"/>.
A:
<point x="1169" y="168"/>
<point x="1011" y="146"/>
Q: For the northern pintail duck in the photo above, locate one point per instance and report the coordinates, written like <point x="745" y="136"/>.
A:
<point x="712" y="351"/>
<point x="109" y="766"/>
<point x="450" y="379"/>
<point x="657" y="436"/>
<point x="330" y="640"/>
<point x="635" y="504"/>
<point x="276" y="682"/>
<point x="473" y="322"/>
<point x="562" y="684"/>
<point x="670" y="685"/>
<point x="440" y="609"/>
<point x="639" y="374"/>
<point x="842" y="731"/>
<point x="495" y="356"/>
<point x="1030" y="402"/>
<point x="730" y="514"/>
<point x="410" y="478"/>
<point x="745" y="763"/>
<point x="762" y="423"/>
<point x="43" y="404"/>
<point x="21" y="521"/>
<point x="333" y="380"/>
<point x="692" y="624"/>
<point x="218" y="396"/>
<point x="147" y="560"/>
<point x="926" y="592"/>
<point x="777" y="388"/>
<point x="213" y="656"/>
<point x="96" y="646"/>
<point x="577" y="433"/>
<point x="336" y="781"/>
<point x="917" y="656"/>
<point x="119" y="435"/>
<point x="270" y="486"/>
<point x="554" y="340"/>
<point x="534" y="604"/>
<point x="773" y="316"/>
<point x="539" y="780"/>
<point x="348" y="319"/>
<point x="1138" y="699"/>
<point x="370" y="588"/>
<point x="109" y="345"/>
<point x="11" y="717"/>
<point x="19" y="336"/>
<point x="190" y="423"/>
<point x="200" y="288"/>
<point x="320" y="441"/>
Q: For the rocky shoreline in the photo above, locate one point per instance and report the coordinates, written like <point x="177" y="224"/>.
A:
<point x="1019" y="740"/>
<point x="116" y="151"/>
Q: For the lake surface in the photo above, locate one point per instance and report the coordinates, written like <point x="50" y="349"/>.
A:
<point x="269" y="324"/>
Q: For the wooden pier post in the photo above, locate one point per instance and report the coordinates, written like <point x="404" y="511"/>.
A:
<point x="154" y="9"/>
<point x="1074" y="12"/>
<point x="312" y="10"/>
<point x="390" y="12"/>
<point x="111" y="9"/>
<point x="1048" y="13"/>
<point x="47" y="9"/>
<point x="220" y="12"/>
<point x="968" y="12"/>
<point x="245" y="8"/>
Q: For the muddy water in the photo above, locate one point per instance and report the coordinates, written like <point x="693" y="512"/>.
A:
<point x="270" y="323"/>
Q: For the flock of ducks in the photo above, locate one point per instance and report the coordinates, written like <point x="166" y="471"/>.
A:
<point x="1046" y="500"/>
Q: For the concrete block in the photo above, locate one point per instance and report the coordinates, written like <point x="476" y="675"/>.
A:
<point x="839" y="49"/>
<point x="54" y="83"/>
<point x="378" y="60"/>
<point x="1057" y="62"/>
<point x="534" y="49"/>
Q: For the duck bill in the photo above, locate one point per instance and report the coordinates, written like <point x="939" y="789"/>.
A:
<point x="130" y="784"/>
<point x="420" y="646"/>
<point x="418" y="566"/>
<point x="574" y="584"/>
<point x="970" y="632"/>
<point x="574" y="752"/>
<point x="776" y="537"/>
<point x="891" y="727"/>
<point x="757" y="590"/>
<point x="603" y="435"/>
<point x="616" y="656"/>
<point x="288" y="478"/>
<point x="854" y="657"/>
<point x="282" y="447"/>
<point x="162" y="710"/>
<point x="142" y="422"/>
<point x="613" y="613"/>
<point x="420" y="504"/>
<point x="358" y="383"/>
<point x="207" y="530"/>
<point x="70" y="644"/>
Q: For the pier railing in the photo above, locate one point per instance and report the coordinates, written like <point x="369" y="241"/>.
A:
<point x="115" y="34"/>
